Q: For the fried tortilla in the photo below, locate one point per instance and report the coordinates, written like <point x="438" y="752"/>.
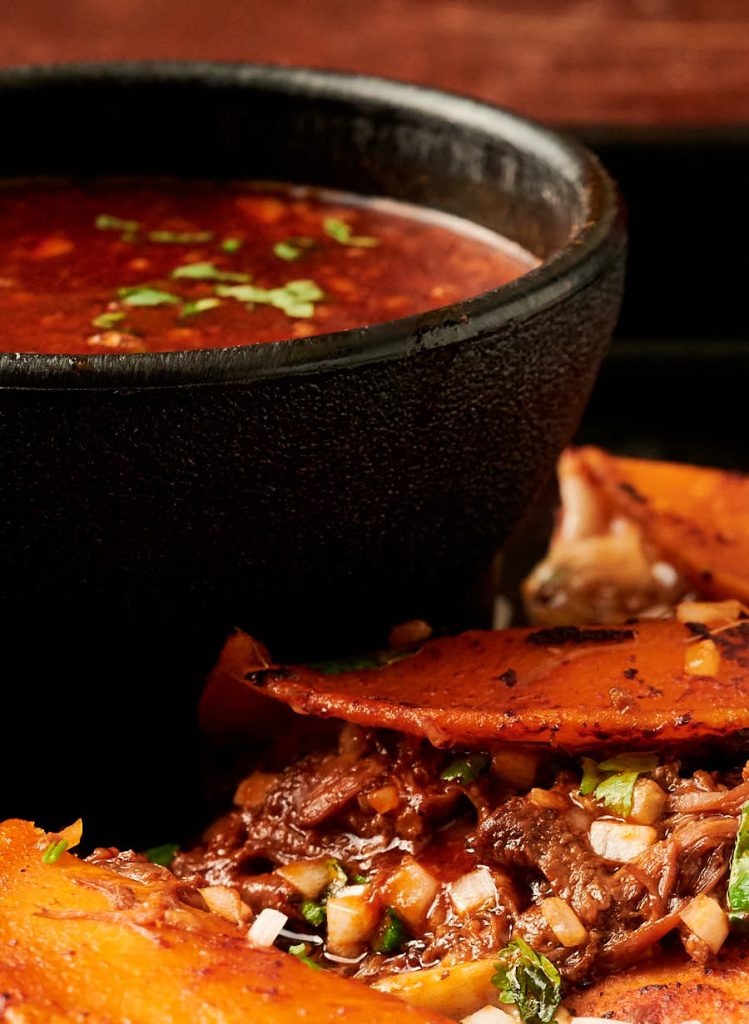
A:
<point x="663" y="682"/>
<point x="672" y="990"/>
<point x="635" y="537"/>
<point x="82" y="943"/>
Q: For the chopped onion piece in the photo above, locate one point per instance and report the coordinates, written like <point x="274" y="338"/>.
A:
<point x="266" y="927"/>
<point x="619" y="841"/>
<point x="516" y="767"/>
<point x="709" y="613"/>
<point x="489" y="1015"/>
<point x="473" y="890"/>
<point x="564" y="922"/>
<point x="226" y="902"/>
<point x="410" y="891"/>
<point x="702" y="659"/>
<point x="706" y="919"/>
<point x="309" y="877"/>
<point x="351" y="920"/>
<point x="648" y="801"/>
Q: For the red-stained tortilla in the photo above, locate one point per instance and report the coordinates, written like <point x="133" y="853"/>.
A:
<point x="672" y="990"/>
<point x="697" y="518"/>
<point x="569" y="688"/>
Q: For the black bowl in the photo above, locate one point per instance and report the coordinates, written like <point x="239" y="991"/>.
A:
<point x="315" y="490"/>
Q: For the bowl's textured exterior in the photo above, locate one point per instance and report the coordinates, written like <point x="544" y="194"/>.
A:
<point x="312" y="491"/>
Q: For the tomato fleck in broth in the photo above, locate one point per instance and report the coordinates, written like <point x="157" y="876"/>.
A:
<point x="107" y="267"/>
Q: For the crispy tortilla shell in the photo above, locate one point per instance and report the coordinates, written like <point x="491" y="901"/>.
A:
<point x="564" y="687"/>
<point x="672" y="990"/>
<point x="698" y="518"/>
<point x="81" y="943"/>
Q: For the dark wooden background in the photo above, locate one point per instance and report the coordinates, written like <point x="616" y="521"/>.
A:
<point x="628" y="62"/>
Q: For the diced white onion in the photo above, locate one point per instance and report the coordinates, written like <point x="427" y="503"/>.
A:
<point x="489" y="1015"/>
<point x="620" y="841"/>
<point x="266" y="927"/>
<point x="709" y="613"/>
<point x="226" y="902"/>
<point x="411" y="891"/>
<point x="351" y="919"/>
<point x="702" y="659"/>
<point x="648" y="802"/>
<point x="516" y="767"/>
<point x="706" y="919"/>
<point x="309" y="877"/>
<point x="564" y="922"/>
<point x="473" y="890"/>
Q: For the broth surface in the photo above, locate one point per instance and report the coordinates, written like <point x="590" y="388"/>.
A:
<point x="108" y="266"/>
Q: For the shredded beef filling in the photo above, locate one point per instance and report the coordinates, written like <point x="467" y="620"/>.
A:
<point x="448" y="847"/>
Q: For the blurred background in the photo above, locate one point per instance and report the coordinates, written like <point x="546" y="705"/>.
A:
<point x="659" y="88"/>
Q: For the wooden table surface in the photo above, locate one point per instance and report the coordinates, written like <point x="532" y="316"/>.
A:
<point x="625" y="62"/>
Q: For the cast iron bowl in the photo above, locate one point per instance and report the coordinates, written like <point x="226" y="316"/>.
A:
<point x="315" y="490"/>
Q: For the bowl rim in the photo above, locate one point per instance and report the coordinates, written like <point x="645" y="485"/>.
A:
<point x="587" y="254"/>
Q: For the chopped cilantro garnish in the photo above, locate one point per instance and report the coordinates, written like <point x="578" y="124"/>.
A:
<point x="312" y="912"/>
<point x="199" y="306"/>
<point x="54" y="850"/>
<point x="105" y="321"/>
<point x="145" y="295"/>
<point x="636" y="761"/>
<point x="466" y="769"/>
<point x="613" y="781"/>
<point x="341" y="232"/>
<point x="296" y="298"/>
<point x="163" y="855"/>
<point x="231" y="244"/>
<point x="360" y="879"/>
<point x="339" y="878"/>
<point x="738" y="883"/>
<point x="300" y="952"/>
<point x="107" y="222"/>
<point x="181" y="237"/>
<point x="208" y="272"/>
<point x="293" y="248"/>
<point x="376" y="659"/>
<point x="391" y="934"/>
<point x="529" y="981"/>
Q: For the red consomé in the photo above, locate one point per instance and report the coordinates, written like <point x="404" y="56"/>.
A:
<point x="106" y="266"/>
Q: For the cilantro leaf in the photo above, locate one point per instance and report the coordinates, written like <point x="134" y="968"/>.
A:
<point x="391" y="933"/>
<point x="296" y="298"/>
<point x="180" y="237"/>
<point x="617" y="792"/>
<point x="340" y="231"/>
<point x="231" y="244"/>
<point x="465" y="769"/>
<point x="738" y="882"/>
<point x="591" y="777"/>
<point x="636" y="761"/>
<point x="54" y="850"/>
<point x="529" y="981"/>
<point x="300" y="952"/>
<point x="106" y="321"/>
<point x="199" y="306"/>
<point x="613" y="781"/>
<point x="207" y="272"/>
<point x="312" y="912"/>
<point x="293" y="248"/>
<point x="163" y="855"/>
<point x="107" y="222"/>
<point x="145" y="295"/>
<point x="376" y="659"/>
